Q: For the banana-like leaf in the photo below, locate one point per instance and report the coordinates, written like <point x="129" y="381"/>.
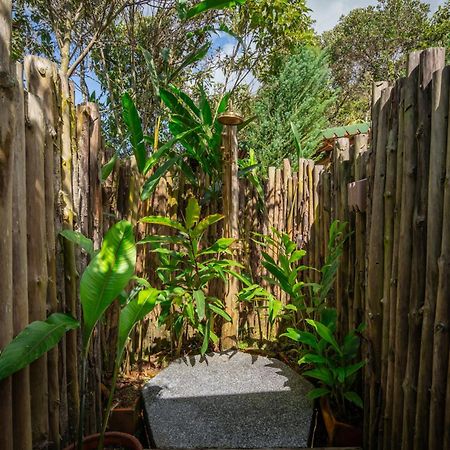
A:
<point x="135" y="311"/>
<point x="152" y="181"/>
<point x="80" y="239"/>
<point x="35" y="340"/>
<point x="107" y="275"/>
<point x="108" y="168"/>
<point x="133" y="122"/>
<point x="205" y="223"/>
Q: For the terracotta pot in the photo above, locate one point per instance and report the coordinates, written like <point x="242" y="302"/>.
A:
<point x="120" y="440"/>
<point x="339" y="433"/>
<point x="125" y="420"/>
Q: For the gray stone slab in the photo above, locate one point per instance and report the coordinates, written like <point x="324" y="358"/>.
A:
<point x="228" y="400"/>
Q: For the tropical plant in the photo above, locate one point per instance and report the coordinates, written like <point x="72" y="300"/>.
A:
<point x="282" y="260"/>
<point x="334" y="364"/>
<point x="33" y="341"/>
<point x="195" y="143"/>
<point x="186" y="268"/>
<point x="106" y="276"/>
<point x="300" y="94"/>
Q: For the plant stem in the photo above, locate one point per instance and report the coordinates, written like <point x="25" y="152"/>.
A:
<point x="110" y="400"/>
<point x="83" y="397"/>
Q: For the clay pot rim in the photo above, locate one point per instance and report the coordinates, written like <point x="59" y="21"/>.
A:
<point x="111" y="434"/>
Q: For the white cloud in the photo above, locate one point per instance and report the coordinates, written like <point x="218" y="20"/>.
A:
<point x="326" y="13"/>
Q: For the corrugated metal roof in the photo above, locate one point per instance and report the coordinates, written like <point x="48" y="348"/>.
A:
<point x="346" y="131"/>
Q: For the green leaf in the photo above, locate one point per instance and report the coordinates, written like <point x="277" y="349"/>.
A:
<point x="317" y="392"/>
<point x="354" y="398"/>
<point x="190" y="59"/>
<point x="301" y="336"/>
<point x="206" y="5"/>
<point x="152" y="181"/>
<point x="192" y="212"/>
<point x="154" y="78"/>
<point x="199" y="298"/>
<point x="108" y="168"/>
<point x="160" y="220"/>
<point x="325" y="333"/>
<point x="135" y="311"/>
<point x="205" y="223"/>
<point x="80" y="239"/>
<point x="219" y="246"/>
<point x="33" y="341"/>
<point x="133" y="123"/>
<point x="321" y="374"/>
<point x="219" y="311"/>
<point x="205" y="344"/>
<point x="107" y="275"/>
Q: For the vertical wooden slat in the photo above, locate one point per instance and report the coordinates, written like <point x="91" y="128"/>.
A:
<point x="375" y="265"/>
<point x="425" y="248"/>
<point x="7" y="130"/>
<point x="438" y="273"/>
<point x="37" y="258"/>
<point x="404" y="254"/>
<point x="21" y="380"/>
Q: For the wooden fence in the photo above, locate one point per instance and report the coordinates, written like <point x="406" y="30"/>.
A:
<point x="394" y="272"/>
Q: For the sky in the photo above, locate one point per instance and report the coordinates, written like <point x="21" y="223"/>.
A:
<point x="326" y="13"/>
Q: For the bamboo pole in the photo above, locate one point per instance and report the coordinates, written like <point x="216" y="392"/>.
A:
<point x="426" y="248"/>
<point x="21" y="380"/>
<point x="404" y="253"/>
<point x="6" y="77"/>
<point x="40" y="77"/>
<point x="375" y="265"/>
<point x="438" y="251"/>
<point x="37" y="259"/>
<point x="7" y="131"/>
<point x="70" y="272"/>
<point x="389" y="388"/>
<point x="389" y="207"/>
<point x="360" y="144"/>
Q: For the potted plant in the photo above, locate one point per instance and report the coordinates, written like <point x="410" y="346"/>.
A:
<point x="335" y="367"/>
<point x="107" y="275"/>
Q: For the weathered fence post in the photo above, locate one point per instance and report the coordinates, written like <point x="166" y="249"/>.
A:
<point x="7" y="129"/>
<point x="21" y="380"/>
<point x="230" y="197"/>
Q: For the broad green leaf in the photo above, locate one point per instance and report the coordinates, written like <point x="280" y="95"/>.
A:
<point x="108" y="168"/>
<point x="161" y="239"/>
<point x="310" y="358"/>
<point x="135" y="311"/>
<point x="80" y="239"/>
<point x="205" y="223"/>
<point x="33" y="341"/>
<point x="107" y="275"/>
<point x="205" y="109"/>
<point x="160" y="220"/>
<point x="219" y="246"/>
<point x="220" y="312"/>
<point x="354" y="398"/>
<point x="317" y="392"/>
<point x="301" y="336"/>
<point x="199" y="298"/>
<point x="152" y="181"/>
<point x="192" y="212"/>
<point x="133" y="123"/>
<point x="325" y="333"/>
<point x="321" y="374"/>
